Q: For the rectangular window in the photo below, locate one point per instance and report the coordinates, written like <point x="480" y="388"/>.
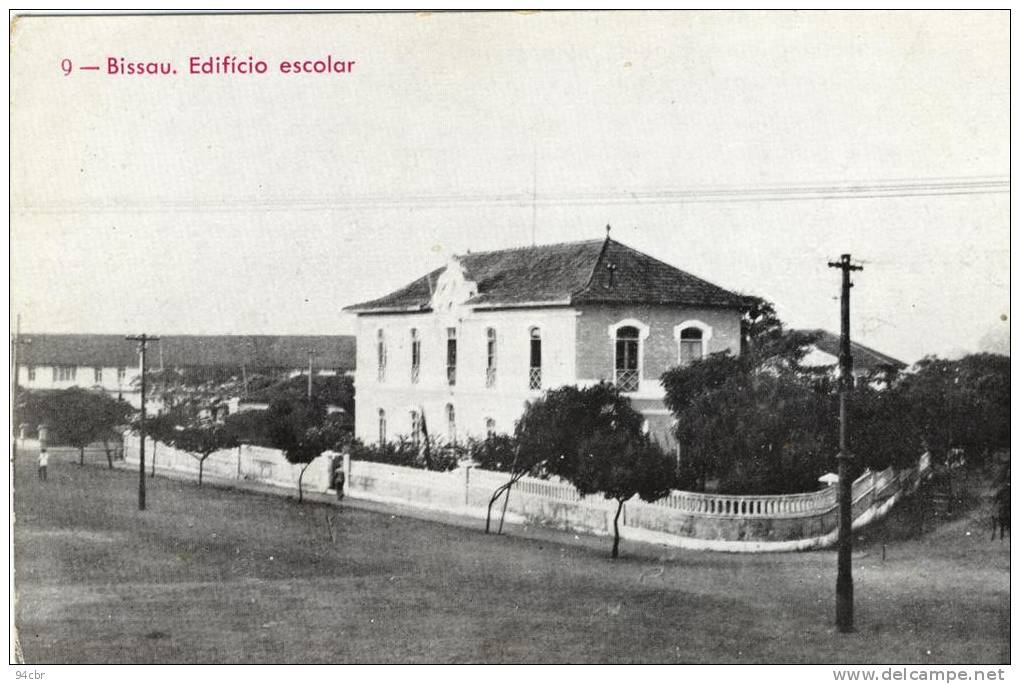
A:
<point x="31" y="373"/>
<point x="692" y="345"/>
<point x="415" y="428"/>
<point x="451" y="423"/>
<point x="415" y="355"/>
<point x="535" y="369"/>
<point x="121" y="373"/>
<point x="381" y="355"/>
<point x="628" y="374"/>
<point x="97" y="375"/>
<point x="490" y="357"/>
<point x="64" y="373"/>
<point x="451" y="356"/>
<point x="690" y="351"/>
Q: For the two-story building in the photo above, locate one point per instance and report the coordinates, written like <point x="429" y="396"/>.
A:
<point x="467" y="345"/>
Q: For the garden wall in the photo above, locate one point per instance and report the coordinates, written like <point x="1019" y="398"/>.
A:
<point x="682" y="519"/>
<point x="246" y="462"/>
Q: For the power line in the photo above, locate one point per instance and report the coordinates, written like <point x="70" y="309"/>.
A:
<point x="792" y="192"/>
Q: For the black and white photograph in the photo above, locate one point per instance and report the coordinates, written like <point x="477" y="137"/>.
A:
<point x="511" y="337"/>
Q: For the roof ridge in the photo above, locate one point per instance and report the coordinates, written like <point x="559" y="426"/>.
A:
<point x="527" y="247"/>
<point x="669" y="265"/>
<point x="594" y="268"/>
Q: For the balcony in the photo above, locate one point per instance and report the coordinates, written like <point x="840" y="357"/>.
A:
<point x="490" y="376"/>
<point x="415" y="374"/>
<point x="381" y="375"/>
<point x="627" y="380"/>
<point x="451" y="375"/>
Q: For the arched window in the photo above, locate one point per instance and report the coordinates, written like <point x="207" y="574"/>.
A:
<point x="490" y="427"/>
<point x="535" y="369"/>
<point x="382" y="426"/>
<point x="490" y="357"/>
<point x="451" y="423"/>
<point x="381" y="354"/>
<point x="415" y="355"/>
<point x="692" y="341"/>
<point x="628" y="373"/>
<point x="415" y="428"/>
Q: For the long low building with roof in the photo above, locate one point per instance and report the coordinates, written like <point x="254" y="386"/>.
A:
<point x="111" y="362"/>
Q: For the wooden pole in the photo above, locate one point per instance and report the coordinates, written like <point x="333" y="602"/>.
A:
<point x="142" y="340"/>
<point x="844" y="570"/>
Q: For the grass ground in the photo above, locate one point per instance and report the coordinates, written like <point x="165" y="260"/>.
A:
<point x="211" y="575"/>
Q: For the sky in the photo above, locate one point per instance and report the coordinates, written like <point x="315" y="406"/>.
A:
<point x="211" y="204"/>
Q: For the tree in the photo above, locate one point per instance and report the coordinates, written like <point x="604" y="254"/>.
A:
<point x="593" y="438"/>
<point x="76" y="417"/>
<point x="301" y="427"/>
<point x="884" y="432"/>
<point x="250" y="427"/>
<point x="759" y="325"/>
<point x="620" y="466"/>
<point x="311" y="444"/>
<point x="327" y="390"/>
<point x="758" y="431"/>
<point x="201" y="441"/>
<point x="960" y="403"/>
<point x="554" y="427"/>
<point x="502" y="453"/>
<point x="162" y="428"/>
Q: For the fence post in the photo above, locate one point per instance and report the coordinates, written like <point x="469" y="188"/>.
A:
<point x="467" y="485"/>
<point x="348" y="482"/>
<point x="238" y="461"/>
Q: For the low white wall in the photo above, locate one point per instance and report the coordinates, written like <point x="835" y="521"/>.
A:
<point x="246" y="462"/>
<point x="683" y="519"/>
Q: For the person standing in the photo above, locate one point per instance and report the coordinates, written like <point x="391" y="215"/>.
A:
<point x="44" y="460"/>
<point x="339" y="477"/>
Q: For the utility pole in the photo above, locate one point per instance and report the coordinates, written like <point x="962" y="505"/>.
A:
<point x="844" y="573"/>
<point x="142" y="341"/>
<point x="309" y="375"/>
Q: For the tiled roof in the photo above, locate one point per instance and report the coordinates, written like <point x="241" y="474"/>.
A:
<point x="865" y="358"/>
<point x="594" y="271"/>
<point x="625" y="275"/>
<point x="279" y="351"/>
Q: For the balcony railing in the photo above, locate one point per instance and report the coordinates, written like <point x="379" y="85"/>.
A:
<point x="415" y="373"/>
<point x="627" y="380"/>
<point x="535" y="378"/>
<point x="490" y="376"/>
<point x="381" y="374"/>
<point x="451" y="375"/>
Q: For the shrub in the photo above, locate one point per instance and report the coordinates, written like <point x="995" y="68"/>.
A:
<point x="495" y="452"/>
<point x="404" y="452"/>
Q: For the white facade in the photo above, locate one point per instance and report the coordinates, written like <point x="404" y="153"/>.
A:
<point x="119" y="381"/>
<point x="477" y="395"/>
<point x="509" y="353"/>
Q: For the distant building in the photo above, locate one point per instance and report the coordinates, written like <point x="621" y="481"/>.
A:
<point x="111" y="363"/>
<point x="466" y="346"/>
<point x="824" y="353"/>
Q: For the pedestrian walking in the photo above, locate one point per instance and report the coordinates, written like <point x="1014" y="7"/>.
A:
<point x="44" y="460"/>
